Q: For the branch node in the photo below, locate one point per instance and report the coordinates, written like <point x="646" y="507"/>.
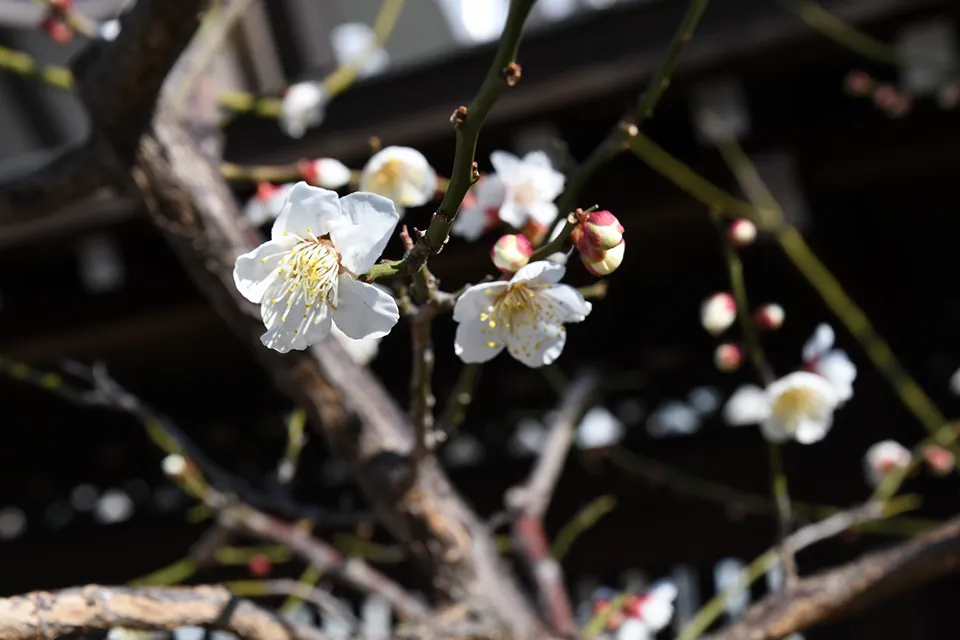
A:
<point x="458" y="116"/>
<point x="512" y="74"/>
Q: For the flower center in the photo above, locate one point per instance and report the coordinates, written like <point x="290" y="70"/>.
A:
<point x="388" y="175"/>
<point x="794" y="405"/>
<point x="310" y="271"/>
<point x="515" y="307"/>
<point x="524" y="195"/>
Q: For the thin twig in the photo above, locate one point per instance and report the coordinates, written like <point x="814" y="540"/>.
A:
<point x="421" y="381"/>
<point x="323" y="600"/>
<point x="528" y="504"/>
<point x="352" y="571"/>
<point x="800" y="539"/>
<point x="502" y="73"/>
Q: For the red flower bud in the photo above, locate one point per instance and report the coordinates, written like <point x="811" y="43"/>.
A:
<point x="601" y="230"/>
<point x="728" y="357"/>
<point x="769" y="317"/>
<point x="742" y="233"/>
<point x="511" y="252"/>
<point x="603" y="263"/>
<point x="260" y="565"/>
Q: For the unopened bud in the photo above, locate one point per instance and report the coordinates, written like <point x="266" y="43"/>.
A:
<point x="511" y="252"/>
<point x="859" y="83"/>
<point x="728" y="357"/>
<point x="324" y="172"/>
<point x="260" y="565"/>
<point x="940" y="460"/>
<point x="769" y="317"/>
<point x="174" y="465"/>
<point x="742" y="233"/>
<point x="718" y="313"/>
<point x="600" y="230"/>
<point x="603" y="263"/>
<point x="58" y="30"/>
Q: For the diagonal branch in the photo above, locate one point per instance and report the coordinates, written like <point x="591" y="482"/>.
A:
<point x="528" y="504"/>
<point x="52" y="614"/>
<point x="853" y="587"/>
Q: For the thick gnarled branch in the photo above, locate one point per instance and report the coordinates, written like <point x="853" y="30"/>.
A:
<point x="52" y="614"/>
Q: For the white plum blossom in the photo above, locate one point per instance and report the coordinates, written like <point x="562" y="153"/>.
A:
<point x="801" y="408"/>
<point x="361" y="351"/>
<point x="266" y="203"/>
<point x="328" y="173"/>
<point x="306" y="276"/>
<point x="599" y="429"/>
<point x="833" y="364"/>
<point x="798" y="406"/>
<point x="401" y="174"/>
<point x="884" y="457"/>
<point x="355" y="43"/>
<point x="648" y="613"/>
<point x="747" y="405"/>
<point x="530" y="184"/>
<point x="109" y="29"/>
<point x="480" y="211"/>
<point x="304" y="105"/>
<point x="525" y="315"/>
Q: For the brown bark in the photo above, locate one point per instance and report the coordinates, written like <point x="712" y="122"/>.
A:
<point x="52" y="614"/>
<point x="853" y="587"/>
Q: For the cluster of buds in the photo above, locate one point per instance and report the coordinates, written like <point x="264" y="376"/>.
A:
<point x="56" y="22"/>
<point x="598" y="237"/>
<point x="886" y="97"/>
<point x="719" y="312"/>
<point x="511" y="253"/>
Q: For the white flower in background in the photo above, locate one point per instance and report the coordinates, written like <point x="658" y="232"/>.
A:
<point x="833" y="364"/>
<point x="355" y="43"/>
<point x="655" y="607"/>
<point x="306" y="276"/>
<point x="801" y="407"/>
<point x="480" y="211"/>
<point x="304" y="105"/>
<point x="955" y="382"/>
<point x="528" y="437"/>
<point x="747" y="405"/>
<point x="673" y="418"/>
<point x="401" y="174"/>
<point x="531" y="185"/>
<point x="599" y="429"/>
<point x="361" y="351"/>
<point x="266" y="203"/>
<point x="882" y="458"/>
<point x="109" y="30"/>
<point x="634" y="629"/>
<point x="325" y="172"/>
<point x="524" y="315"/>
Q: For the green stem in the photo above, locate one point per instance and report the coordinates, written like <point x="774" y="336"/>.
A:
<point x="618" y="138"/>
<point x="461" y="177"/>
<point x="781" y="496"/>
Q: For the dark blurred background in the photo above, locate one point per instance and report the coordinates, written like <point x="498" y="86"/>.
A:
<point x="82" y="496"/>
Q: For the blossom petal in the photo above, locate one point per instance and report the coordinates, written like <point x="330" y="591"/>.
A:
<point x="475" y="342"/>
<point x="512" y="214"/>
<point x="811" y="431"/>
<point x="598" y="429"/>
<point x="819" y="343"/>
<point x="364" y="310"/>
<point x="470" y="224"/>
<point x="748" y="405"/>
<point x="839" y="371"/>
<point x="307" y="211"/>
<point x="476" y="300"/>
<point x="538" y="160"/>
<point x="543" y="212"/>
<point x="506" y="165"/>
<point x="371" y="220"/>
<point x="536" y="344"/>
<point x="540" y="271"/>
<point x="568" y="303"/>
<point x="360" y="351"/>
<point x="256" y="271"/>
<point x="284" y="317"/>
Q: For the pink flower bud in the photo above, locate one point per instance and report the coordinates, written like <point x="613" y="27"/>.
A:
<point x="603" y="263"/>
<point x="58" y="30"/>
<point x="717" y="313"/>
<point x="511" y="252"/>
<point x="601" y="230"/>
<point x="859" y="83"/>
<point x="949" y="95"/>
<point x="728" y="357"/>
<point x="742" y="233"/>
<point x="940" y="460"/>
<point x="769" y="317"/>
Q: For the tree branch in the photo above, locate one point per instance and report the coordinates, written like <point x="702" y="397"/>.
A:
<point x="193" y="207"/>
<point x="528" y="504"/>
<point x="52" y="614"/>
<point x="850" y="588"/>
